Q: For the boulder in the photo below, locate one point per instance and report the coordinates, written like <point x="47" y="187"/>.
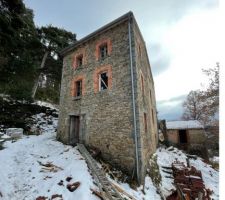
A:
<point x="14" y="132"/>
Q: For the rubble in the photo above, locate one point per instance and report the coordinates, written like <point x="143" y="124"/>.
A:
<point x="189" y="183"/>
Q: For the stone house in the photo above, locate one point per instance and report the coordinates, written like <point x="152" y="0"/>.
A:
<point x="185" y="134"/>
<point x="107" y="96"/>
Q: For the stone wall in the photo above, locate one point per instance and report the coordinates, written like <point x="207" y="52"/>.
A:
<point x="107" y="118"/>
<point x="195" y="136"/>
<point x="145" y="100"/>
<point x="172" y="136"/>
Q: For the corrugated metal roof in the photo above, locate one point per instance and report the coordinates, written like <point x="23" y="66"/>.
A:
<point x="191" y="124"/>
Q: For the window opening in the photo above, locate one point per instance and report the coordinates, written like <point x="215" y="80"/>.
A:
<point x="78" y="88"/>
<point x="79" y="60"/>
<point x="151" y="96"/>
<point x="103" y="51"/>
<point x="145" y="122"/>
<point x="153" y="121"/>
<point x="142" y="84"/>
<point x="103" y="81"/>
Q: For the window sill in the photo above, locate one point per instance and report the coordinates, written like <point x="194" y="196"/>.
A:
<point x="79" y="67"/>
<point x="76" y="98"/>
<point x="103" y="58"/>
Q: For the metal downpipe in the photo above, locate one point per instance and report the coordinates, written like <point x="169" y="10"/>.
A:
<point x="133" y="101"/>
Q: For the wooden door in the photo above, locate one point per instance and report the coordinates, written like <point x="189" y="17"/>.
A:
<point x="74" y="129"/>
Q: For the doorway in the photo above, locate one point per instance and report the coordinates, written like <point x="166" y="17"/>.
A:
<point x="183" y="136"/>
<point x="74" y="130"/>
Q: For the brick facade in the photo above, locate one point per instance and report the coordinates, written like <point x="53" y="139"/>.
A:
<point x="107" y="116"/>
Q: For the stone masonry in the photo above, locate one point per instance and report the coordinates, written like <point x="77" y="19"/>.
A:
<point x="121" y="119"/>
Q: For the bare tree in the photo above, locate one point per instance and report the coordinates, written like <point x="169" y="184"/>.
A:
<point x="204" y="105"/>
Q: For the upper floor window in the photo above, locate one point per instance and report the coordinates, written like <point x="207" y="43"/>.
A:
<point x="78" y="88"/>
<point x="153" y="116"/>
<point x="103" y="51"/>
<point x="102" y="78"/>
<point x="103" y="81"/>
<point x="150" y="94"/>
<point x="145" y="122"/>
<point x="142" y="84"/>
<point x="79" y="60"/>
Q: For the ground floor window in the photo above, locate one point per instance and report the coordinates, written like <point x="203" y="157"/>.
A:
<point x="78" y="88"/>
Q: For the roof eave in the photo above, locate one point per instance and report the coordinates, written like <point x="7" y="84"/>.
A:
<point x="104" y="28"/>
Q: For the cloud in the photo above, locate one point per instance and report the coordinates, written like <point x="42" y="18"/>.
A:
<point x="158" y="64"/>
<point x="171" y="109"/>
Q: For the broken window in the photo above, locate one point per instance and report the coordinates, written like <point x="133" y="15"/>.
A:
<point x="103" y="81"/>
<point x="145" y="122"/>
<point x="103" y="51"/>
<point x="79" y="60"/>
<point x="78" y="85"/>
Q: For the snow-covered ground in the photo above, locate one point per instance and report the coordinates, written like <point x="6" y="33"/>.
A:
<point x="167" y="156"/>
<point x="22" y="177"/>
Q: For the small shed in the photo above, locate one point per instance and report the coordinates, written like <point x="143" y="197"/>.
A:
<point x="185" y="133"/>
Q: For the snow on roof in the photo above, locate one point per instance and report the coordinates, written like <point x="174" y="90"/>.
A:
<point x="191" y="124"/>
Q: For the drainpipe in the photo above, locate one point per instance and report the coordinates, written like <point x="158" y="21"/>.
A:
<point x="133" y="102"/>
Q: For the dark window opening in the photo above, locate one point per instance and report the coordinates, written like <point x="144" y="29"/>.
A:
<point x="103" y="81"/>
<point x="183" y="136"/>
<point x="78" y="88"/>
<point x="103" y="51"/>
<point x="153" y="121"/>
<point x="79" y="60"/>
<point x="142" y="84"/>
<point x="145" y="122"/>
<point x="151" y="96"/>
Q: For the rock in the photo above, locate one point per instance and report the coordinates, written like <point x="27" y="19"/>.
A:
<point x="68" y="179"/>
<point x="14" y="132"/>
<point x="72" y="187"/>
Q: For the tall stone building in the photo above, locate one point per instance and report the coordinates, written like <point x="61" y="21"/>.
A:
<point x="107" y="96"/>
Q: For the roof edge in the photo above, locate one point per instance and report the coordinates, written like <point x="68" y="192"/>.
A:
<point x="104" y="28"/>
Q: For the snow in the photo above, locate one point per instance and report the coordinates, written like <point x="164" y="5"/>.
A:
<point x="183" y="124"/>
<point x="14" y="132"/>
<point x="209" y="175"/>
<point x="5" y="136"/>
<point x="46" y="104"/>
<point x="149" y="189"/>
<point x="20" y="172"/>
<point x="22" y="176"/>
<point x="166" y="156"/>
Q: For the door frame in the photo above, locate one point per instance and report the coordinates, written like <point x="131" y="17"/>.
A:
<point x="82" y="127"/>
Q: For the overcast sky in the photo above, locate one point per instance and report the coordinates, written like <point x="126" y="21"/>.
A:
<point x="182" y="37"/>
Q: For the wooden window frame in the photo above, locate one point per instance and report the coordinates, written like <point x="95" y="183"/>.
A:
<point x="74" y="86"/>
<point x="100" y="81"/>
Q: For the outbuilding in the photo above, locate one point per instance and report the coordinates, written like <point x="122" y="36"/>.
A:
<point x="185" y="134"/>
